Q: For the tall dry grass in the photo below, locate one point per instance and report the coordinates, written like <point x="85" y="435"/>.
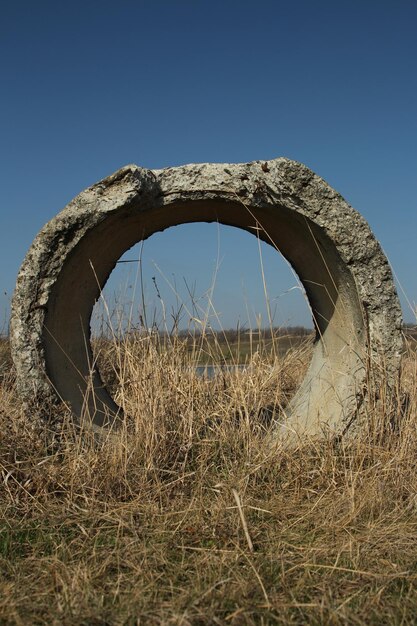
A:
<point x="186" y="516"/>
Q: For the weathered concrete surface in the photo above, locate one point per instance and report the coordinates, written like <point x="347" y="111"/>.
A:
<point x="342" y="267"/>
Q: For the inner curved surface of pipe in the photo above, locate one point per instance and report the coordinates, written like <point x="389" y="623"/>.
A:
<point x="331" y="293"/>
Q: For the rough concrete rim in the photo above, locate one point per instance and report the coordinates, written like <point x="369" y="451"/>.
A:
<point x="346" y="276"/>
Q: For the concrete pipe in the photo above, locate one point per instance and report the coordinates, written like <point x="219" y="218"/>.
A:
<point x="345" y="274"/>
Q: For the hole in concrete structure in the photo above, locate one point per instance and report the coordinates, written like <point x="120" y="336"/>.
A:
<point x="206" y="307"/>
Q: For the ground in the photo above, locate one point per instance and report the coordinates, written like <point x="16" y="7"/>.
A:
<point x="190" y="515"/>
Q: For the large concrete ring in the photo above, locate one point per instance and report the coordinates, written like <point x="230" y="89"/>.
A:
<point x="345" y="274"/>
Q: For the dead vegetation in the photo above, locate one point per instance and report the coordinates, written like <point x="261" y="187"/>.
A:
<point x="187" y="516"/>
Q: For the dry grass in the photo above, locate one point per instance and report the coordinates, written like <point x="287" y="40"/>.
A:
<point x="187" y="517"/>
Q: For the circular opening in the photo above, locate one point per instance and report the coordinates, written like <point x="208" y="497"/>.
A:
<point x="202" y="306"/>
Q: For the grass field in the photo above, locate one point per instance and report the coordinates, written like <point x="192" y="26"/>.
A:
<point x="188" y="515"/>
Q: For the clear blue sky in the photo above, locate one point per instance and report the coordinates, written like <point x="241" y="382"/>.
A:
<point x="87" y="87"/>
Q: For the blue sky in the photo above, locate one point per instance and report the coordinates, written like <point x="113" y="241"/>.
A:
<point x="87" y="87"/>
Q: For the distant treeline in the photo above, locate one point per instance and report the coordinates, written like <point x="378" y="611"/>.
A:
<point x="241" y="334"/>
<point x="234" y="334"/>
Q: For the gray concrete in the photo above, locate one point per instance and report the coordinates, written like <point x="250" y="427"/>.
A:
<point x="342" y="267"/>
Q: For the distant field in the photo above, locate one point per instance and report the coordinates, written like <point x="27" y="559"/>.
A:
<point x="236" y="350"/>
<point x="222" y="349"/>
<point x="240" y="351"/>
